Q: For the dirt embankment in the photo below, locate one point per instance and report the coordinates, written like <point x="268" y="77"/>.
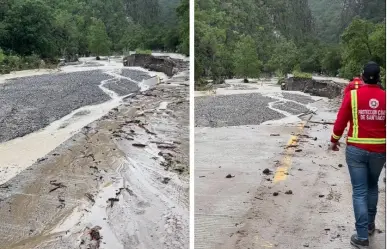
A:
<point x="165" y="64"/>
<point x="122" y="182"/>
<point x="323" y="88"/>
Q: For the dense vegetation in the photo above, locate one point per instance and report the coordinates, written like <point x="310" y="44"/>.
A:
<point x="49" y="29"/>
<point x="247" y="38"/>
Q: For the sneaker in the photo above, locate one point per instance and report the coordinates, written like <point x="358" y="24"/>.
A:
<point x="371" y="228"/>
<point x="360" y="244"/>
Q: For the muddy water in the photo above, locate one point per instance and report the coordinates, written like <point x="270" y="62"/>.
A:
<point x="36" y="145"/>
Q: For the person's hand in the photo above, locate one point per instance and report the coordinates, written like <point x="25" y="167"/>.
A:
<point x="334" y="146"/>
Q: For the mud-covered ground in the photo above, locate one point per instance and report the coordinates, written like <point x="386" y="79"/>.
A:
<point x="122" y="182"/>
<point x="31" y="103"/>
<point x="273" y="185"/>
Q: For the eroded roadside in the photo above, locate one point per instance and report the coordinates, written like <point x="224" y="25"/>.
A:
<point x="122" y="182"/>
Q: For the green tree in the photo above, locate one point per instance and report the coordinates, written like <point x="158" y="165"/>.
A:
<point x="246" y="62"/>
<point x="66" y="34"/>
<point x="284" y="58"/>
<point x="99" y="42"/>
<point x="183" y="16"/>
<point x="29" y="26"/>
<point x="310" y="57"/>
<point x="362" y="41"/>
<point x="331" y="60"/>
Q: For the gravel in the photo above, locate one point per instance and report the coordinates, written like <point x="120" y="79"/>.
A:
<point x="31" y="103"/>
<point x="291" y="107"/>
<point x="298" y="97"/>
<point x="135" y="74"/>
<point x="123" y="87"/>
<point x="234" y="110"/>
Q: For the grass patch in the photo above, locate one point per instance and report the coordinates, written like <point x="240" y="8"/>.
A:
<point x="142" y="51"/>
<point x="297" y="74"/>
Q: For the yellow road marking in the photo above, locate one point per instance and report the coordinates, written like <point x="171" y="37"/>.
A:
<point x="282" y="171"/>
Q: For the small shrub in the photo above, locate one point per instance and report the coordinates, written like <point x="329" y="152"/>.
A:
<point x="14" y="62"/>
<point x="32" y="61"/>
<point x="4" y="69"/>
<point x="281" y="80"/>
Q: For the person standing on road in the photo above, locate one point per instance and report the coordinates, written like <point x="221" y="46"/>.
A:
<point x="365" y="109"/>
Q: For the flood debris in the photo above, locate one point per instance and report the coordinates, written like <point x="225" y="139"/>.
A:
<point x="91" y="155"/>
<point x="91" y="238"/>
<point x="165" y="180"/>
<point x="321" y="196"/>
<point x="41" y="159"/>
<point x="139" y="145"/>
<point x="61" y="202"/>
<point x="57" y="185"/>
<point x="112" y="200"/>
<point x="4" y="185"/>
<point x="267" y="171"/>
<point x="275" y="194"/>
<point x="146" y="129"/>
<point x="166" y="146"/>
<point x="93" y="167"/>
<point x="90" y="197"/>
<point x="289" y="192"/>
<point x="229" y="176"/>
<point x="275" y="135"/>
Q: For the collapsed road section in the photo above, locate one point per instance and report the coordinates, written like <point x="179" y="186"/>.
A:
<point x="263" y="175"/>
<point x="121" y="182"/>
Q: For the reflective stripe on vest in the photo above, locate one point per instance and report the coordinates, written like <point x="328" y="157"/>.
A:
<point x="356" y="84"/>
<point x="335" y="136"/>
<point x="355" y="129"/>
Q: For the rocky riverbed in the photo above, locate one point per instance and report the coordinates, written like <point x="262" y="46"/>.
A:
<point x="31" y="103"/>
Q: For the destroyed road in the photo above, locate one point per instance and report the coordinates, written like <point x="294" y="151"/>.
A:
<point x="245" y="109"/>
<point x="121" y="182"/>
<point x="274" y="185"/>
<point x="31" y="103"/>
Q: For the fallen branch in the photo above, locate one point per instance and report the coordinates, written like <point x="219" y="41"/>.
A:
<point x="324" y="123"/>
<point x="57" y="185"/>
<point x="334" y="167"/>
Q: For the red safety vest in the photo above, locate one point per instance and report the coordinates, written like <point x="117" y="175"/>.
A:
<point x="365" y="109"/>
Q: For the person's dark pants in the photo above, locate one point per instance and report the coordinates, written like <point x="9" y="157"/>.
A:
<point x="364" y="169"/>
